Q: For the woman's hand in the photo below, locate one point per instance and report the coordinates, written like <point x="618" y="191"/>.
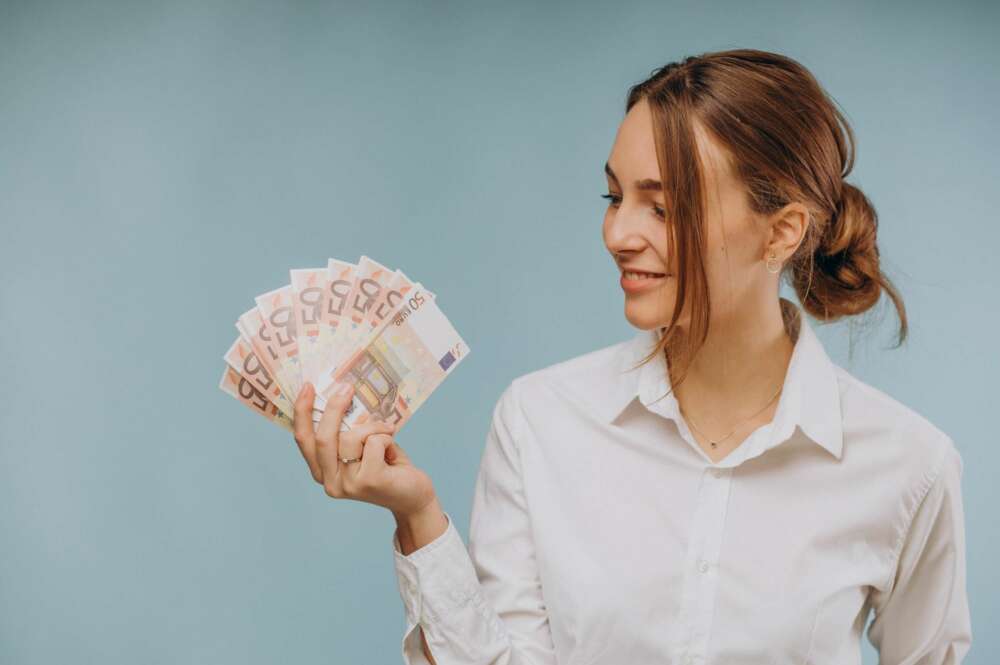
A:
<point x="385" y="476"/>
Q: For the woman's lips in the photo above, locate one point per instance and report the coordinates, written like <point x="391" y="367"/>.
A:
<point x="639" y="281"/>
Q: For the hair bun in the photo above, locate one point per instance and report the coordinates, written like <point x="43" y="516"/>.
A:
<point x="847" y="259"/>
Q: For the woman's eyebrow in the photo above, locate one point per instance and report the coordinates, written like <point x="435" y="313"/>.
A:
<point x="645" y="185"/>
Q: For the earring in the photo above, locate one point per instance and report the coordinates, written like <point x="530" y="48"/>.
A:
<point x="777" y="268"/>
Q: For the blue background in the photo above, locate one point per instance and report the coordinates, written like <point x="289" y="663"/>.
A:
<point x="161" y="165"/>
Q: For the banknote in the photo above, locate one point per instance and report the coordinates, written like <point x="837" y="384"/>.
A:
<point x="244" y="360"/>
<point x="277" y="312"/>
<point x="376" y="317"/>
<point x="310" y="292"/>
<point x="237" y="386"/>
<point x="387" y="301"/>
<point x="399" y="366"/>
<point x="249" y="326"/>
<point x="363" y="323"/>
<point x="370" y="278"/>
<point x="339" y="280"/>
<point x="253" y="329"/>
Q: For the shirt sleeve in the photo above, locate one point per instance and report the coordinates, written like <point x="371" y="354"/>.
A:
<point x="922" y="614"/>
<point x="481" y="604"/>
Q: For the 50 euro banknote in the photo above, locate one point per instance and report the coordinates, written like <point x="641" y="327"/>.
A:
<point x="370" y="279"/>
<point x="398" y="364"/>
<point x="242" y="358"/>
<point x="370" y="321"/>
<point x="243" y="390"/>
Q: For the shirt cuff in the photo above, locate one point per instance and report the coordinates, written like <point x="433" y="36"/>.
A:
<point x="434" y="581"/>
<point x="407" y="580"/>
<point x="413" y="649"/>
<point x="409" y="566"/>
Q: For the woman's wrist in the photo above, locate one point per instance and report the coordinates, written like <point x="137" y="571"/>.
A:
<point x="416" y="529"/>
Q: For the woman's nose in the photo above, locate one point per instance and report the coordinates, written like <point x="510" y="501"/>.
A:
<point x="622" y="230"/>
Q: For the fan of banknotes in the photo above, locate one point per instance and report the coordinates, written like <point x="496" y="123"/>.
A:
<point x="359" y="323"/>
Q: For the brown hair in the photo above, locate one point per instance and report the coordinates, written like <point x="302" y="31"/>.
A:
<point x="787" y="141"/>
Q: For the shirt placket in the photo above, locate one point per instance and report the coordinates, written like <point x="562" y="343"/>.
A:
<point x="701" y="564"/>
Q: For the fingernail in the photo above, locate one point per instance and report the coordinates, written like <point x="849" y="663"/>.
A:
<point x="309" y="387"/>
<point x="342" y="389"/>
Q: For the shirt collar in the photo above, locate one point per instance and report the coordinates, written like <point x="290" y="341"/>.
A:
<point x="810" y="398"/>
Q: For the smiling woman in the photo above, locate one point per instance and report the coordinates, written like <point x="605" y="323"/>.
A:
<point x="753" y="154"/>
<point x="738" y="497"/>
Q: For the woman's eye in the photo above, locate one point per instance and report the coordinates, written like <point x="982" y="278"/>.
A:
<point x="613" y="199"/>
<point x="616" y="199"/>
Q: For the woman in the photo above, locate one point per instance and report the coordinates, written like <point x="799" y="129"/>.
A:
<point x="714" y="490"/>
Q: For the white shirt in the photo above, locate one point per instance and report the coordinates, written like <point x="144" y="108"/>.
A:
<point x="601" y="533"/>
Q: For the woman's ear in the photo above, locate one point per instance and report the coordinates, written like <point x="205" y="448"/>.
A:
<point x="788" y="229"/>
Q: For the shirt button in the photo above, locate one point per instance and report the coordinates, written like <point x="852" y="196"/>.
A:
<point x="703" y="566"/>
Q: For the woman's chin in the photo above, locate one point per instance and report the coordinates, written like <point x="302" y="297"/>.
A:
<point x="647" y="316"/>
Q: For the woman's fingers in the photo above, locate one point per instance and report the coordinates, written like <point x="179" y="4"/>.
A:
<point x="322" y="446"/>
<point x="303" y="426"/>
<point x="351" y="445"/>
<point x="373" y="456"/>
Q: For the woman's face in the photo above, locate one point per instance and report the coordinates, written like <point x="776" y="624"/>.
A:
<point x="636" y="233"/>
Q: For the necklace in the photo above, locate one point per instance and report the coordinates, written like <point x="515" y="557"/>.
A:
<point x="714" y="443"/>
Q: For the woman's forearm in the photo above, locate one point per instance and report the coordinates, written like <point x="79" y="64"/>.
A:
<point x="416" y="530"/>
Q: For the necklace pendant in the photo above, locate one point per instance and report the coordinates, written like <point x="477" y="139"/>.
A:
<point x="713" y="444"/>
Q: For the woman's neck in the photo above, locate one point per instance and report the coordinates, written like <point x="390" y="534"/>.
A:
<point x="743" y="362"/>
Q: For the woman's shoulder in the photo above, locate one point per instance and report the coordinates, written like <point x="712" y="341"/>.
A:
<point x="879" y="428"/>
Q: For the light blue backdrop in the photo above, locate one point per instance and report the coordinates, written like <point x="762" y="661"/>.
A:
<point x="160" y="166"/>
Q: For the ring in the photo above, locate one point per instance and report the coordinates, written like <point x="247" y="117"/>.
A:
<point x="348" y="461"/>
